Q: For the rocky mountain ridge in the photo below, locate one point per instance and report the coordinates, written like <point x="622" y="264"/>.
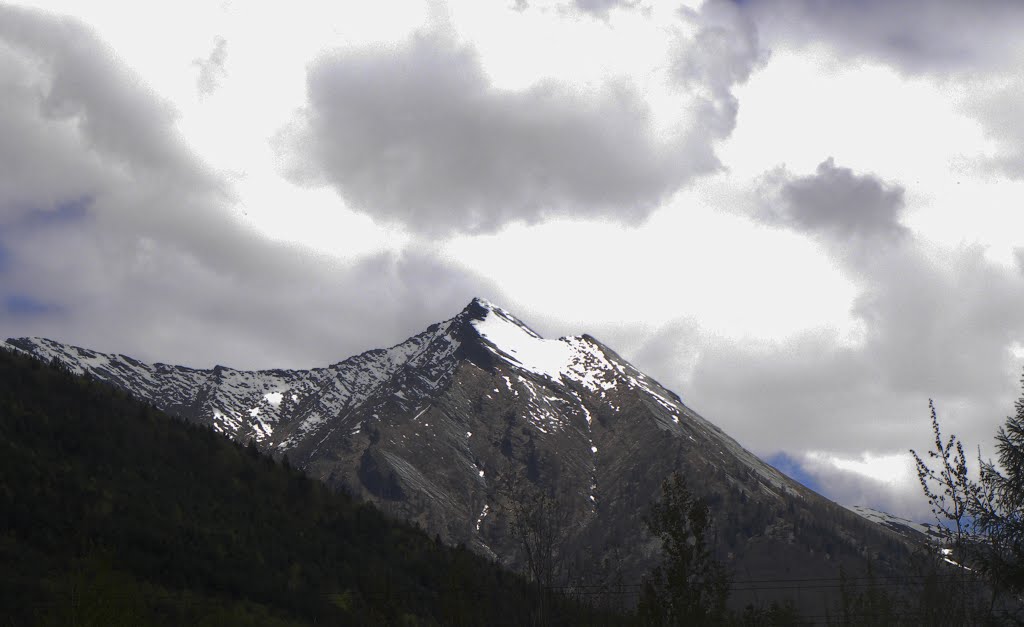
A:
<point x="448" y="427"/>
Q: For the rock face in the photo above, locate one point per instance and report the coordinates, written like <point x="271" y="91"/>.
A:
<point x="450" y="426"/>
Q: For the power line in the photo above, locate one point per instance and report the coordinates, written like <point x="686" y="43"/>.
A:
<point x="796" y="582"/>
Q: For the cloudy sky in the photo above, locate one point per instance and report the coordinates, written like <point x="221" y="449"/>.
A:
<point x="802" y="215"/>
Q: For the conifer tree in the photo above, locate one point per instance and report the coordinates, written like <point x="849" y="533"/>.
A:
<point x="690" y="587"/>
<point x="999" y="512"/>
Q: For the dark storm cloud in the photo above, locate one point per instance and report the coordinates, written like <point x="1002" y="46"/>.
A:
<point x="417" y="135"/>
<point x="912" y="35"/>
<point x="835" y="201"/>
<point x="211" y="69"/>
<point x="115" y="236"/>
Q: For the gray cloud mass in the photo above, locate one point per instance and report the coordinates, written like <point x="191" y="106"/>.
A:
<point x="834" y="201"/>
<point x="929" y="332"/>
<point x="915" y="36"/>
<point x="115" y="236"/>
<point x="86" y="86"/>
<point x="469" y="157"/>
<point x="725" y="50"/>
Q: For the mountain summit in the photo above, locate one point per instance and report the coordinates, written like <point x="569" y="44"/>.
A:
<point x="449" y="426"/>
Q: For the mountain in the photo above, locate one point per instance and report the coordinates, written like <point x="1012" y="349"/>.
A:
<point x="114" y="513"/>
<point x="451" y="428"/>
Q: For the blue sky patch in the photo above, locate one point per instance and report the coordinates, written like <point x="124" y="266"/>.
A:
<point x="25" y="305"/>
<point x="68" y="211"/>
<point x="794" y="470"/>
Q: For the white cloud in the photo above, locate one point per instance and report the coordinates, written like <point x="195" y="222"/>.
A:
<point x="806" y="105"/>
<point x="891" y="469"/>
<point x="211" y="69"/>
<point x="122" y="189"/>
<point x="739" y="279"/>
<point x="884" y="481"/>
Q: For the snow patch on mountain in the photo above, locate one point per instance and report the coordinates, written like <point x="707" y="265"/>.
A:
<point x="483" y="514"/>
<point x="255" y="405"/>
<point x="579" y="359"/>
<point x="576" y="358"/>
<point x="519" y="344"/>
<point x="904" y="526"/>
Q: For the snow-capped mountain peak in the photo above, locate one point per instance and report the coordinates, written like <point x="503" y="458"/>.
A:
<point x="436" y="427"/>
<point x="580" y="359"/>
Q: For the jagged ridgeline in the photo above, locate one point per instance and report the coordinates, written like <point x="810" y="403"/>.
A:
<point x="112" y="513"/>
<point x="450" y="427"/>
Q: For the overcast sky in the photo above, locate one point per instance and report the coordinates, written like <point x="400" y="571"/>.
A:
<point x="800" y="215"/>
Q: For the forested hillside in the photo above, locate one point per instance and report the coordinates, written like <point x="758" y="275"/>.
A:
<point x="112" y="513"/>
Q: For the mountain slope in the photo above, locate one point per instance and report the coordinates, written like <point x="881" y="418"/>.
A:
<point x="114" y="514"/>
<point x="451" y="426"/>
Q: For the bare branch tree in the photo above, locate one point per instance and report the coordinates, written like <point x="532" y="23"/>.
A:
<point x="983" y="520"/>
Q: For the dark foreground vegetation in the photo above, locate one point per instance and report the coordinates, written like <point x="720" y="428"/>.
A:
<point x="691" y="588"/>
<point x="112" y="513"/>
<point x="974" y="576"/>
